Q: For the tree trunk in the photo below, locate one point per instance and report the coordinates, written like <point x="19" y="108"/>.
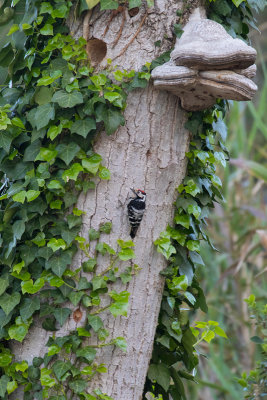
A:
<point x="147" y="153"/>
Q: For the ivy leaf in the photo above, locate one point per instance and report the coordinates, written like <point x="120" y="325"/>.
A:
<point x="18" y="331"/>
<point x="111" y="117"/>
<point x="72" y="172"/>
<point x="28" y="307"/>
<point x="43" y="95"/>
<point x="67" y="152"/>
<point x="59" y="263"/>
<point x="43" y="115"/>
<point x="46" y="379"/>
<point x="193" y="245"/>
<point x="31" y="151"/>
<point x="8" y="302"/>
<point x="161" y="374"/>
<point x="182" y="219"/>
<point x="134" y="3"/>
<point x="67" y="100"/>
<point x="92" y="3"/>
<point x="30" y="287"/>
<point x="56" y="244"/>
<point x="47" y="30"/>
<point x="120" y="304"/>
<point x="109" y="4"/>
<point x="3" y="385"/>
<point x="95" y="322"/>
<point x="61" y="315"/>
<point x="78" y="385"/>
<point x="220" y="126"/>
<point x="104" y="173"/>
<point x="83" y="126"/>
<point x="92" y="163"/>
<point x="87" y="352"/>
<point x="126" y="254"/>
<point x="5" y="140"/>
<point x="75" y="297"/>
<point x="4" y="283"/>
<point x="60" y="368"/>
<point x="121" y="343"/>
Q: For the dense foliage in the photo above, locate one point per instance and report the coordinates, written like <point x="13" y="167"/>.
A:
<point x="52" y="106"/>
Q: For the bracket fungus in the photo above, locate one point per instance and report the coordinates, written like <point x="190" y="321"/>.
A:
<point x="206" y="64"/>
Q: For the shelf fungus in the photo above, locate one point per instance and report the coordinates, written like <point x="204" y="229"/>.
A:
<point x="206" y="64"/>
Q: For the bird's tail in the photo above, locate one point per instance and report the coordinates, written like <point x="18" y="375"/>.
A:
<point x="133" y="231"/>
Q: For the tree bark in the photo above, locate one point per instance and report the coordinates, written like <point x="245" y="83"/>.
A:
<point x="147" y="153"/>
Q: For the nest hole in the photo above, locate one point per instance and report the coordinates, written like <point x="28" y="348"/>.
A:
<point x="133" y="12"/>
<point x="97" y="50"/>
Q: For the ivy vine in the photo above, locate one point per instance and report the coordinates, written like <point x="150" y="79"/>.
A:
<point x="52" y="105"/>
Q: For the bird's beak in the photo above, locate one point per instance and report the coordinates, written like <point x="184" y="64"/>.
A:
<point x="133" y="191"/>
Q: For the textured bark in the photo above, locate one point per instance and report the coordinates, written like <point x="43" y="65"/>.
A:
<point x="147" y="153"/>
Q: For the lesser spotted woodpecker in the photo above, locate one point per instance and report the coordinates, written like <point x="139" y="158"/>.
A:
<point x="136" y="209"/>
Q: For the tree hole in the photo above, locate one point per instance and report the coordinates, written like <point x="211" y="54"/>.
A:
<point x="97" y="50"/>
<point x="133" y="12"/>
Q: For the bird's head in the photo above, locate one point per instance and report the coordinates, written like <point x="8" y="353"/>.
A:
<point x="139" y="193"/>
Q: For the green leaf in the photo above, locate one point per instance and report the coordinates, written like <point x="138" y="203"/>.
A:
<point x="60" y="368"/>
<point x="75" y="297"/>
<point x="5" y="140"/>
<point x="32" y="195"/>
<point x="89" y="265"/>
<point x="95" y="322"/>
<point x="43" y="115"/>
<point x="161" y="374"/>
<point x="126" y="254"/>
<point x="87" y="352"/>
<point x="104" y="173"/>
<point x="72" y="172"/>
<point x="134" y="3"/>
<point x="61" y="315"/>
<point x="195" y="210"/>
<point x="67" y="100"/>
<point x="8" y="302"/>
<point x="11" y="386"/>
<point x="30" y="287"/>
<point x="46" y="155"/>
<point x="220" y="332"/>
<point x="67" y="152"/>
<point x="20" y="197"/>
<point x="109" y="4"/>
<point x="18" y="331"/>
<point x="14" y="28"/>
<point x="220" y="126"/>
<point x="83" y="332"/>
<point x="43" y="95"/>
<point x="3" y="385"/>
<point x="92" y="3"/>
<point x="83" y="126"/>
<point x="47" y="30"/>
<point x="193" y="245"/>
<point x="4" y="283"/>
<point x="28" y="307"/>
<point x="121" y="343"/>
<point x="78" y="385"/>
<point x="5" y="358"/>
<point x="182" y="219"/>
<point x="46" y="379"/>
<point x="59" y="263"/>
<point x="56" y="244"/>
<point x="91" y="164"/>
<point x="32" y="151"/>
<point x="120" y="304"/>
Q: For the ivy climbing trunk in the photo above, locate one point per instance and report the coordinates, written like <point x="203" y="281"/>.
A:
<point x="147" y="153"/>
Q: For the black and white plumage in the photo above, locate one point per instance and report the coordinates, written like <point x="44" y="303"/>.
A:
<point x="136" y="209"/>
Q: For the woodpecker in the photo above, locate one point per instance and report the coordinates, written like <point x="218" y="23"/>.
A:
<point x="136" y="209"/>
